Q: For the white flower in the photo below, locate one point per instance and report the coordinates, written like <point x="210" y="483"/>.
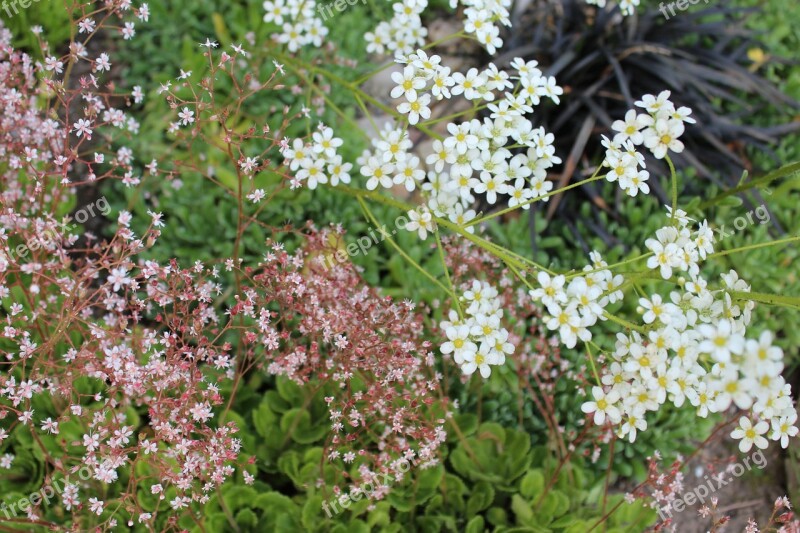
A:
<point x="118" y="278"/>
<point x="491" y="185"/>
<point x="704" y="240"/>
<point x="762" y="351"/>
<point x="783" y="428"/>
<point x="442" y="81"/>
<point x="655" y="104"/>
<point x="720" y="341"/>
<point x="378" y="173"/>
<point x="636" y="183"/>
<point x="416" y="109"/>
<point x="314" y="172"/>
<point x="408" y="83"/>
<point x="96" y="506"/>
<point x="567" y="321"/>
<point x="654" y="309"/>
<point x="461" y="139"/>
<point x="519" y="194"/>
<point x="186" y="115"/>
<point x="602" y="406"/>
<point x="458" y="343"/>
<point x="477" y="361"/>
<point x="630" y="127"/>
<point x="440" y="156"/>
<point x="426" y="65"/>
<point x="275" y="11"/>
<point x="635" y="421"/>
<point x="551" y="291"/>
<point x="459" y="216"/>
<point x="551" y="90"/>
<point x="420" y="221"/>
<point x="325" y="143"/>
<point x="468" y="85"/>
<point x="665" y="256"/>
<point x="339" y="171"/>
<point x="663" y="136"/>
<point x="750" y="434"/>
<point x="409" y="173"/>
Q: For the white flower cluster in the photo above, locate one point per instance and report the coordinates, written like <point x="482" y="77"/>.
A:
<point x="692" y="347"/>
<point x="677" y="247"/>
<point x="695" y="349"/>
<point x="478" y="341"/>
<point x="658" y="130"/>
<point x="481" y="18"/>
<point x="403" y="33"/>
<point x="299" y="26"/>
<point x="391" y="164"/>
<point x="574" y="307"/>
<point x="628" y="7"/>
<point x="317" y="162"/>
<point x="472" y="147"/>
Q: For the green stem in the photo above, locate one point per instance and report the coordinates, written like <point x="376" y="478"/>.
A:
<point x="364" y="78"/>
<point x="622" y="322"/>
<point x="792" y="302"/>
<point x="591" y="361"/>
<point x="786" y="170"/>
<point x="674" y="177"/>
<point x="447" y="271"/>
<point x="399" y="250"/>
<point x="506" y="255"/>
<point x="754" y="246"/>
<point x="490" y="216"/>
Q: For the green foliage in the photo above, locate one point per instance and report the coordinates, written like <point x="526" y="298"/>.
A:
<point x="49" y="14"/>
<point x="491" y="480"/>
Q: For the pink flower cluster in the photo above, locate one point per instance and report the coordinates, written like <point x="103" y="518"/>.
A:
<point x="126" y="368"/>
<point x="385" y="401"/>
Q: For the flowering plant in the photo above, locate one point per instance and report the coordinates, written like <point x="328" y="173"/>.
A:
<point x="156" y="376"/>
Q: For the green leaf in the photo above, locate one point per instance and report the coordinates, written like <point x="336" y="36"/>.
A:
<point x="246" y="518"/>
<point x="730" y="201"/>
<point x="497" y="516"/>
<point x="554" y="504"/>
<point x="238" y="496"/>
<point x="481" y="498"/>
<point x="264" y="419"/>
<point x="581" y="526"/>
<point x="297" y="423"/>
<point x="476" y="525"/>
<point x="522" y="509"/>
<point x="313" y="513"/>
<point x="467" y="423"/>
<point x="290" y="391"/>
<point x="532" y="484"/>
